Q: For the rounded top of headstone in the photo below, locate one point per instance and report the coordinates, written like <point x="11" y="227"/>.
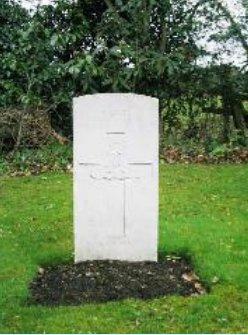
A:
<point x="115" y="96"/>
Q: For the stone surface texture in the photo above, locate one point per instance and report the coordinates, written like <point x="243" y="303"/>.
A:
<point x="115" y="177"/>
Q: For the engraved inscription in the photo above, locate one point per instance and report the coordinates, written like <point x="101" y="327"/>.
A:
<point x="116" y="168"/>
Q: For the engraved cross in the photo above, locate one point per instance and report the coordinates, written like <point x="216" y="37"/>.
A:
<point x="116" y="168"/>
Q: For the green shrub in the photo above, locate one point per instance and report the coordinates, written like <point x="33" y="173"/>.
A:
<point x="53" y="156"/>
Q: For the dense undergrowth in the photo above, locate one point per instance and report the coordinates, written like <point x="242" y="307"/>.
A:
<point x="51" y="157"/>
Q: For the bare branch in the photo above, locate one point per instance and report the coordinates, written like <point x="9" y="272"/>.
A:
<point x="235" y="25"/>
<point x="229" y="17"/>
<point x="111" y="7"/>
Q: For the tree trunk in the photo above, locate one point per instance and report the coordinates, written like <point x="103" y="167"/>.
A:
<point x="239" y="121"/>
<point x="161" y="126"/>
<point x="19" y="133"/>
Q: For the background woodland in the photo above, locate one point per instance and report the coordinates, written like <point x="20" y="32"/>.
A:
<point x="71" y="48"/>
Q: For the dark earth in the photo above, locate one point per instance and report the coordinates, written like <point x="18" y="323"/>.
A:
<point x="101" y="281"/>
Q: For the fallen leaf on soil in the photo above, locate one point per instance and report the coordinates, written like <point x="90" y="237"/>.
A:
<point x="199" y="288"/>
<point x="190" y="277"/>
<point x="41" y="271"/>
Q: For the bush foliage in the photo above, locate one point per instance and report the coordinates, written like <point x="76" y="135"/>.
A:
<point x="79" y="47"/>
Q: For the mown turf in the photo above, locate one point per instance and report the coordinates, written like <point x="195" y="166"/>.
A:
<point x="203" y="214"/>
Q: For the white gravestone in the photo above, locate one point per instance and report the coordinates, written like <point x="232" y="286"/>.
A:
<point x="115" y="177"/>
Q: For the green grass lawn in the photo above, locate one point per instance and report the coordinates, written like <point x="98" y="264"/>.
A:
<point x="203" y="214"/>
